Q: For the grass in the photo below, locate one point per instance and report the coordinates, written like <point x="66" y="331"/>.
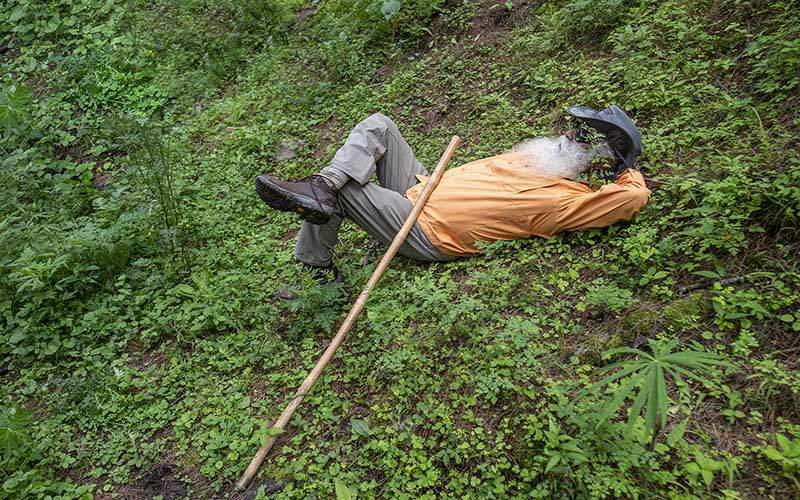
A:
<point x="140" y="369"/>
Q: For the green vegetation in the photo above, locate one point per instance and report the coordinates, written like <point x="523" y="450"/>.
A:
<point x="142" y="350"/>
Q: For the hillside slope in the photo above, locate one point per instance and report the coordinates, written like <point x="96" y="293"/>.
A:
<point x="144" y="353"/>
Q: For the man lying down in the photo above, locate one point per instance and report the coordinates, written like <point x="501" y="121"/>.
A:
<point x="528" y="191"/>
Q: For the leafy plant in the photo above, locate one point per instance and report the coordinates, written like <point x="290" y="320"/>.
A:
<point x="643" y="379"/>
<point x="15" y="101"/>
<point x="609" y="297"/>
<point x="390" y="8"/>
<point x="561" y="450"/>
<point x="587" y="21"/>
<point x="316" y="309"/>
<point x="704" y="467"/>
<point x="15" y="423"/>
<point x="155" y="164"/>
<point x="787" y="455"/>
<point x="343" y="491"/>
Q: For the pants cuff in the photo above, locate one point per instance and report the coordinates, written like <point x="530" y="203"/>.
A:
<point x="336" y="176"/>
<point x="311" y="261"/>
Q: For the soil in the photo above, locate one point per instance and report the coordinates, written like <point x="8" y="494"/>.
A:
<point x="270" y="487"/>
<point x="101" y="179"/>
<point x="494" y="16"/>
<point x="161" y="481"/>
<point x="491" y="19"/>
<point x="328" y="133"/>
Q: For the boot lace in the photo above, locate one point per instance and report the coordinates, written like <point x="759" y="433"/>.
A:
<point x="309" y="180"/>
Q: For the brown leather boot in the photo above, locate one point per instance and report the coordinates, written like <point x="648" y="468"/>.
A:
<point x="312" y="198"/>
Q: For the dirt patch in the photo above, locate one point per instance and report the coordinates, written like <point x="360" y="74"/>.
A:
<point x="495" y="16"/>
<point x="288" y="150"/>
<point x="270" y="487"/>
<point x="161" y="481"/>
<point x="101" y="179"/>
<point x="143" y="358"/>
<point x="491" y="18"/>
<point x="434" y="115"/>
<point x="328" y="133"/>
<point x="38" y="87"/>
<point x="289" y="235"/>
<point x="304" y="14"/>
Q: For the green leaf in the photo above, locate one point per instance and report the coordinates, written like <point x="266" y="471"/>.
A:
<point x="634" y="411"/>
<point x="677" y="433"/>
<point x="613" y="404"/>
<point x="343" y="492"/>
<point x="359" y="427"/>
<point x="184" y="290"/>
<point x="571" y="446"/>
<point x="661" y="394"/>
<point x="17" y="337"/>
<point x="708" y="476"/>
<point x="773" y="454"/>
<point x="652" y="400"/>
<point x="783" y="442"/>
<point x="390" y="8"/>
<point x="271" y="432"/>
<point x="552" y="463"/>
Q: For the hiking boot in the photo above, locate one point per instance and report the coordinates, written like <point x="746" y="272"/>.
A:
<point x="312" y="198"/>
<point x="322" y="275"/>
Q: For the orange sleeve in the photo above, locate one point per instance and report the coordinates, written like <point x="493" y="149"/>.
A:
<point x="609" y="204"/>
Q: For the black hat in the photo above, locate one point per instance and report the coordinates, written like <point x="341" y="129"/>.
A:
<point x="621" y="134"/>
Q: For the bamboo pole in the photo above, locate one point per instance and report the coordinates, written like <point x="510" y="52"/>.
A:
<point x="312" y="377"/>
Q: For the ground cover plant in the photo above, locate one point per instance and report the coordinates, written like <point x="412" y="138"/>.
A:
<point x="142" y="350"/>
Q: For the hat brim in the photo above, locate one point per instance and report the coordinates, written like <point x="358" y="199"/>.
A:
<point x="618" y="129"/>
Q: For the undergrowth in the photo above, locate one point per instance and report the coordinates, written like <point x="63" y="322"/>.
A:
<point x="143" y="352"/>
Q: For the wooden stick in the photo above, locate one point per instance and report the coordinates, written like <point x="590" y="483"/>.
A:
<point x="708" y="284"/>
<point x="312" y="377"/>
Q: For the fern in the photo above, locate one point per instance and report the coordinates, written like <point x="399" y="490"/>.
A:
<point x="643" y="379"/>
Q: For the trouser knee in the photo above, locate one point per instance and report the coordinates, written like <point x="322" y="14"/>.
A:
<point x="380" y="120"/>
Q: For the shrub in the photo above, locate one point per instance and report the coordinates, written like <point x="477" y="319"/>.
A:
<point x="646" y="376"/>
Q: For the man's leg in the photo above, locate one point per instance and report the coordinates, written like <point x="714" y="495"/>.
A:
<point x="382" y="212"/>
<point x="315" y="242"/>
<point x="374" y="146"/>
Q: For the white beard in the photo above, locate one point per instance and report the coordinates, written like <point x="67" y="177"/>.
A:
<point x="558" y="157"/>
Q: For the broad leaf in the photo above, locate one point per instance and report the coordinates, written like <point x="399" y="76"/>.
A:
<point x="343" y="492"/>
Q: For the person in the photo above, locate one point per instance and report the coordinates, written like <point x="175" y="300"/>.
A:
<point x="528" y="191"/>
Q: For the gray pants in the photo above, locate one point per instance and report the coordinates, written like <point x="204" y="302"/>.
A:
<point x="374" y="146"/>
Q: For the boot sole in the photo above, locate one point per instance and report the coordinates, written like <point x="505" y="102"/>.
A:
<point x="286" y="201"/>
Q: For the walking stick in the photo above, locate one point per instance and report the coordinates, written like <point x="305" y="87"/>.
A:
<point x="312" y="377"/>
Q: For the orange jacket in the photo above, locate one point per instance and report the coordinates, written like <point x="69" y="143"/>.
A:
<point x="498" y="198"/>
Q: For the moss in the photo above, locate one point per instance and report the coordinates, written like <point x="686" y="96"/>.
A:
<point x="639" y="321"/>
<point x="686" y="312"/>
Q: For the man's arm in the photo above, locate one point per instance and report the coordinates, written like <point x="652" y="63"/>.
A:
<point x="609" y="204"/>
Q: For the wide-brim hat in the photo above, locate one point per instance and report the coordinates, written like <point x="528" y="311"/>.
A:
<point x="619" y="130"/>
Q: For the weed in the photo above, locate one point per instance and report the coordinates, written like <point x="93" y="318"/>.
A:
<point x="646" y="376"/>
<point x="138" y="324"/>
